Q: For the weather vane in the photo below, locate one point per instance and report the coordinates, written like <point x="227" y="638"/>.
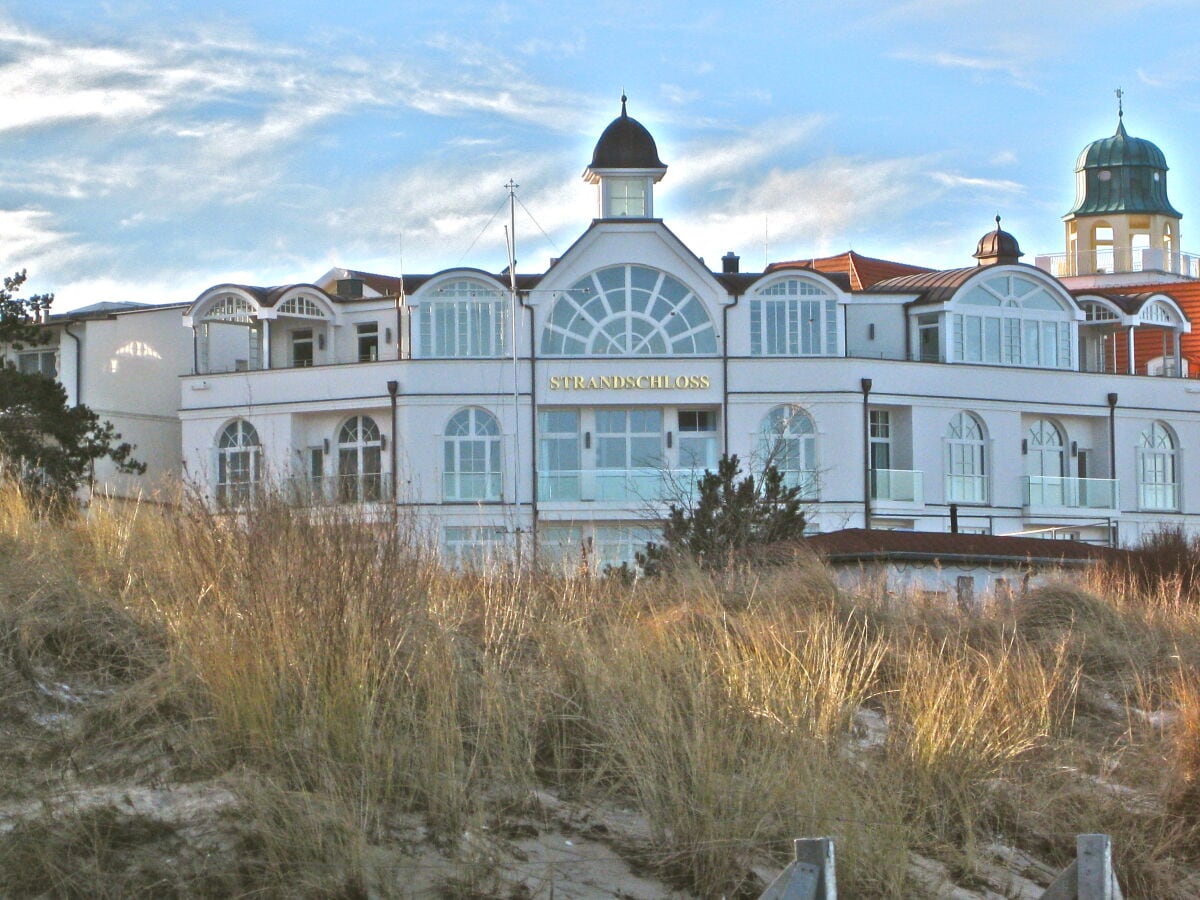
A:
<point x="1120" y="108"/>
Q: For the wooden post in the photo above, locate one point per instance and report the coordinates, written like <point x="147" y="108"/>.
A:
<point x="811" y="876"/>
<point x="1091" y="875"/>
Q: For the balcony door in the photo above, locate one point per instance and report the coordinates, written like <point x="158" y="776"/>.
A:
<point x="1045" y="462"/>
<point x="629" y="453"/>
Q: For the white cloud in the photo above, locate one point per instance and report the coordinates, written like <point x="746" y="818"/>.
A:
<point x="992" y="185"/>
<point x="28" y="236"/>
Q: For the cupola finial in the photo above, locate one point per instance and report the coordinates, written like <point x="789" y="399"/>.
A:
<point x="997" y="221"/>
<point x="1120" y="104"/>
<point x="624" y="114"/>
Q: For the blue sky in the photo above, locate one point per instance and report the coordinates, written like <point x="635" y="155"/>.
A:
<point x="150" y="149"/>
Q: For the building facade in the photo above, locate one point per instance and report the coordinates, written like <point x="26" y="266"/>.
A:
<point x="568" y="408"/>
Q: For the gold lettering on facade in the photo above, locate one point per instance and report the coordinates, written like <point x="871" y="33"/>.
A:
<point x="629" y="382"/>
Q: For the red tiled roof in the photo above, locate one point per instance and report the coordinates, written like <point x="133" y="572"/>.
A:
<point x="863" y="271"/>
<point x="854" y="544"/>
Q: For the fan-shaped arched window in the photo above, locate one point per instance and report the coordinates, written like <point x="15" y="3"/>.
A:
<point x="628" y="311"/>
<point x="239" y="463"/>
<point x="301" y="307"/>
<point x="464" y="319"/>
<point x="360" y="461"/>
<point x="793" y="317"/>
<point x="966" y="460"/>
<point x="787" y="440"/>
<point x="1158" y="472"/>
<point x="1015" y="320"/>
<point x="471" y="456"/>
<point x="230" y="309"/>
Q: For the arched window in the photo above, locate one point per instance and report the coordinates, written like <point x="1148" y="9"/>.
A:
<point x="966" y="460"/>
<point x="239" y="463"/>
<point x="1158" y="473"/>
<point x="1014" y="320"/>
<point x="1045" y="465"/>
<point x="360" y="461"/>
<point x="471" y="456"/>
<point x="464" y="318"/>
<point x="788" y="441"/>
<point x="628" y="311"/>
<point x="793" y="317"/>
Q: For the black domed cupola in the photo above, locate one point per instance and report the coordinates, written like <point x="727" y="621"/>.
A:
<point x="626" y="166"/>
<point x="998" y="248"/>
<point x="1121" y="174"/>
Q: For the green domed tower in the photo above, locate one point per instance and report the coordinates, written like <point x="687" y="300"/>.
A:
<point x="1122" y="220"/>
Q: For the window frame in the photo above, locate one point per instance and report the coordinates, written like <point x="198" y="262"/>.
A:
<point x="472" y="436"/>
<point x="238" y="451"/>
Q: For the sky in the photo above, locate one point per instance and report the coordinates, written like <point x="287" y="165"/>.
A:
<point x="150" y="149"/>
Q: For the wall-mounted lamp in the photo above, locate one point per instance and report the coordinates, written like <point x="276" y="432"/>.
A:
<point x="668" y="440"/>
<point x="383" y="442"/>
<point x="1024" y="446"/>
<point x="1074" y="448"/>
<point x="387" y="335"/>
<point x="325" y="444"/>
<point x="393" y="388"/>
<point x="321" y="341"/>
<point x="587" y="440"/>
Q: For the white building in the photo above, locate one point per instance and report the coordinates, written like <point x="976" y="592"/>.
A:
<point x="567" y="407"/>
<point x="124" y="361"/>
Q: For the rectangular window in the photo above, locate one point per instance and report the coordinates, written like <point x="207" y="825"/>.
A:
<point x="1012" y="341"/>
<point x="629" y="454"/>
<point x="38" y="362"/>
<point x="627" y="197"/>
<point x="463" y="327"/>
<point x="559" y="463"/>
<point x="991" y="340"/>
<point x="788" y="326"/>
<point x="302" y="348"/>
<point x="698" y="439"/>
<point x="474" y="544"/>
<point x="929" y="343"/>
<point x="368" y="341"/>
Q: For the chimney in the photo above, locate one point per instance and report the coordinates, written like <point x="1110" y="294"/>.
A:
<point x="730" y="263"/>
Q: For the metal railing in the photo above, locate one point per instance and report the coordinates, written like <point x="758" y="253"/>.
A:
<point x="1062" y="492"/>
<point x="897" y="486"/>
<point x="1119" y="259"/>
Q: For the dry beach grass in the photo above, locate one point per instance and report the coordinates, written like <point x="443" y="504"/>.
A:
<point x="277" y="704"/>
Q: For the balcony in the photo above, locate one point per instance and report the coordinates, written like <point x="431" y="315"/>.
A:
<point x="616" y="485"/>
<point x="1118" y="259"/>
<point x="339" y="489"/>
<point x="966" y="489"/>
<point x="899" y="486"/>
<point x="1057" y="492"/>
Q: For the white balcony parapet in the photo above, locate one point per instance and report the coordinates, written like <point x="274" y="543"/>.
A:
<point x="1061" y="492"/>
<point x="1119" y="259"/>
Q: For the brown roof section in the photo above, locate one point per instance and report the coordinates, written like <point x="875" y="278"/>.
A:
<point x="859" y="544"/>
<point x="863" y="271"/>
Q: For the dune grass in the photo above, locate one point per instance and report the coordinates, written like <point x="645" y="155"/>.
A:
<point x="335" y="671"/>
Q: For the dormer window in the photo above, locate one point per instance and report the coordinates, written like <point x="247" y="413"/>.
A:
<point x="625" y="197"/>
